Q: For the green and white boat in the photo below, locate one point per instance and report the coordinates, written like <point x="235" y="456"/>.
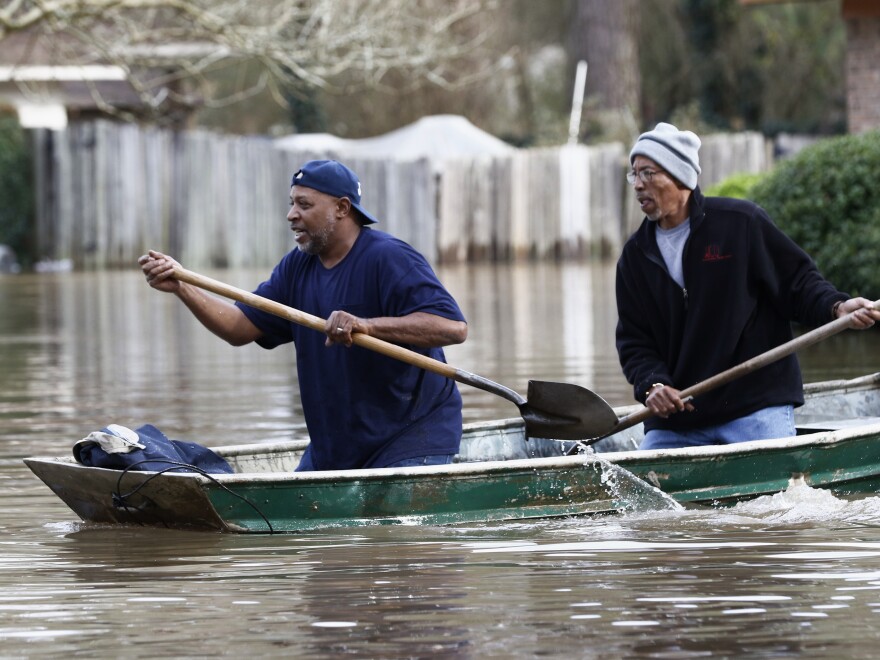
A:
<point x="499" y="475"/>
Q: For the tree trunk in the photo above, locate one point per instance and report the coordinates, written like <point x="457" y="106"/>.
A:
<point x="604" y="33"/>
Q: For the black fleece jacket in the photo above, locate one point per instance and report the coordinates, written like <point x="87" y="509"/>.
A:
<point x="745" y="282"/>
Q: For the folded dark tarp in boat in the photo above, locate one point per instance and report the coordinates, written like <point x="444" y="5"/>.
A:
<point x="146" y="449"/>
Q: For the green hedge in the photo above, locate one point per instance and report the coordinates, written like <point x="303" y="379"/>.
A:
<point x="827" y="199"/>
<point x="736" y="185"/>
<point x="16" y="188"/>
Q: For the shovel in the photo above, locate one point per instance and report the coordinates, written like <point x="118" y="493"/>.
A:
<point x="559" y="411"/>
<point x="600" y="427"/>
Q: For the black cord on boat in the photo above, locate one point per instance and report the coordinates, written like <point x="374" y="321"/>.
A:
<point x="120" y="503"/>
<point x="119" y="499"/>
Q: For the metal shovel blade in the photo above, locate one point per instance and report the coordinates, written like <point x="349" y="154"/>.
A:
<point x="563" y="411"/>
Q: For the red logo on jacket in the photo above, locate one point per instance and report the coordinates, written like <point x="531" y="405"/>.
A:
<point x="713" y="253"/>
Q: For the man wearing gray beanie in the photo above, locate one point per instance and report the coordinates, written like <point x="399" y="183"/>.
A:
<point x="704" y="284"/>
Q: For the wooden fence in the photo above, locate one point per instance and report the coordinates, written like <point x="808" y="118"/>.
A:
<point x="107" y="191"/>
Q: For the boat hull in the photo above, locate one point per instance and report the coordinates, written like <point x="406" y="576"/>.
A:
<point x="464" y="493"/>
<point x="500" y="475"/>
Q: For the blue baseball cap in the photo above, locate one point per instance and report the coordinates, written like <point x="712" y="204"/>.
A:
<point x="334" y="179"/>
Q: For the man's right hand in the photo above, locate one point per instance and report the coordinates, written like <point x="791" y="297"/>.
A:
<point x="664" y="400"/>
<point x="159" y="268"/>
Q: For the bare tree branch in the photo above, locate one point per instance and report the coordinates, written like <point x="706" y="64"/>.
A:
<point x="167" y="47"/>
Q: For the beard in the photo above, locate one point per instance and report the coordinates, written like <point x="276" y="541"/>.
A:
<point x="318" y="242"/>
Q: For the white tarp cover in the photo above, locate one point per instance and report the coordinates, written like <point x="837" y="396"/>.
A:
<point x="436" y="137"/>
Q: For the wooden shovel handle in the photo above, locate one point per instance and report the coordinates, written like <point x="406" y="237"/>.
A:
<point x="315" y="323"/>
<point x="750" y="365"/>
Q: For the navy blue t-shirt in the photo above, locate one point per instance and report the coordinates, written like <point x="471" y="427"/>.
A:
<point x="364" y="409"/>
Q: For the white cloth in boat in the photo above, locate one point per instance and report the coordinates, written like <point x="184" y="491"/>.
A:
<point x="114" y="439"/>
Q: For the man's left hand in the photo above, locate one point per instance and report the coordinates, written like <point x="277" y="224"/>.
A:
<point x="864" y="312"/>
<point x="340" y="326"/>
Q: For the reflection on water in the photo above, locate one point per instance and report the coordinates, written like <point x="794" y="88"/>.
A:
<point x="664" y="584"/>
<point x="796" y="573"/>
<point x="537" y="321"/>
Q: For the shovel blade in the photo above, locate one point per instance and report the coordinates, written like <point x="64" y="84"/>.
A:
<point x="563" y="411"/>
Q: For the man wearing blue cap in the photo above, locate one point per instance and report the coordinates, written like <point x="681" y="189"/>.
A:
<point x="362" y="409"/>
<point x="704" y="284"/>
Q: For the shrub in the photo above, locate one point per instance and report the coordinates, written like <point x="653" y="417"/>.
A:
<point x="736" y="185"/>
<point x="827" y="199"/>
<point x="16" y="187"/>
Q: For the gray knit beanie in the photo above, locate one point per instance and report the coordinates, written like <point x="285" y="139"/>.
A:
<point x="674" y="150"/>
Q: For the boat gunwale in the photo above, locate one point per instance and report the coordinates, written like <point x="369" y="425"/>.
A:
<point x="822" y="439"/>
<point x="818" y="439"/>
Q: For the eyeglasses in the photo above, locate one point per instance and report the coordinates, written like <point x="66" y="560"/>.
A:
<point x="645" y="175"/>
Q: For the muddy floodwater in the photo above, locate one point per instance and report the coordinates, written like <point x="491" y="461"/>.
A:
<point x="792" y="575"/>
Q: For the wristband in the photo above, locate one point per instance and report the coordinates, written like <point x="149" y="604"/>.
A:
<point x="653" y="387"/>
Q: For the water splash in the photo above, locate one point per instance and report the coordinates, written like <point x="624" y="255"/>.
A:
<point x="635" y="495"/>
<point x="792" y="504"/>
<point x="801" y="503"/>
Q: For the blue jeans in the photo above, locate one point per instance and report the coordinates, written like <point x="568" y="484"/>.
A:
<point x="772" y="422"/>
<point x="418" y="461"/>
<point x="306" y="465"/>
